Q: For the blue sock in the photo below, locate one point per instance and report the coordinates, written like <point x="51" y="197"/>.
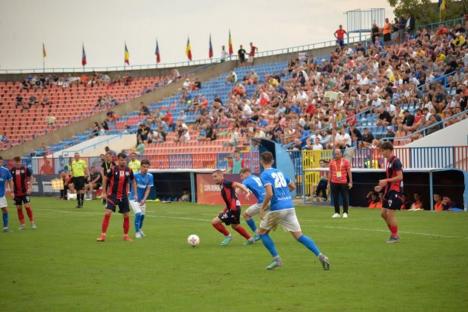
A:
<point x="309" y="243"/>
<point x="251" y="224"/>
<point x="268" y="243"/>
<point x="137" y="222"/>
<point x="142" y="217"/>
<point x="5" y="219"/>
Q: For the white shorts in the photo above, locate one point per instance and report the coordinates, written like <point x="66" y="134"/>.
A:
<point x="3" y="202"/>
<point x="137" y="208"/>
<point x="254" y="209"/>
<point x="284" y="217"/>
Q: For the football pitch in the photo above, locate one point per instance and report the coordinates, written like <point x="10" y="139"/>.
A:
<point x="60" y="266"/>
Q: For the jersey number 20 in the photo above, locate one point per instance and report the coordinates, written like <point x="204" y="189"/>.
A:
<point x="280" y="181"/>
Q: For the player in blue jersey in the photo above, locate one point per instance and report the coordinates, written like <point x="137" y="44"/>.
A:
<point x="5" y="177"/>
<point x="277" y="209"/>
<point x="255" y="185"/>
<point x="144" y="181"/>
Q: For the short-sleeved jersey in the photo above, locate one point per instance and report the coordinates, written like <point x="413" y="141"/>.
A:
<point x="118" y="181"/>
<point x="279" y="184"/>
<point x="135" y="165"/>
<point x="78" y="168"/>
<point x="5" y="175"/>
<point x="255" y="185"/>
<point x="229" y="195"/>
<point x="20" y="177"/>
<point x="393" y="167"/>
<point x="143" y="181"/>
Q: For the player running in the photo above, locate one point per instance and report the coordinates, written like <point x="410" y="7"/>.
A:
<point x="144" y="182"/>
<point x="392" y="188"/>
<point x="5" y="177"/>
<point x="22" y="186"/>
<point x="281" y="211"/>
<point x="231" y="214"/>
<point x="254" y="184"/>
<point x="118" y="179"/>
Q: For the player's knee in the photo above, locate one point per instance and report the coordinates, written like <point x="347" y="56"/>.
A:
<point x="215" y="221"/>
<point x="246" y="216"/>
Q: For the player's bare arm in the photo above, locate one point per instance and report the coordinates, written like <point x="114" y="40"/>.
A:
<point x="266" y="201"/>
<point x="292" y="186"/>
<point x="104" y="187"/>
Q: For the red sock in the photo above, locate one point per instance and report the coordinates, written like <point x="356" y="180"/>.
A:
<point x="30" y="214"/>
<point x="221" y="228"/>
<point x="394" y="230"/>
<point x="126" y="224"/>
<point x="20" y="215"/>
<point x="239" y="229"/>
<point x="105" y="223"/>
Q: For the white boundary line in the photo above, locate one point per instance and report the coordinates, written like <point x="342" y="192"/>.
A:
<point x="330" y="227"/>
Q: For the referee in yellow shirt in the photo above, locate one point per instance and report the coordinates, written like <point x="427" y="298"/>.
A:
<point x="134" y="163"/>
<point x="79" y="171"/>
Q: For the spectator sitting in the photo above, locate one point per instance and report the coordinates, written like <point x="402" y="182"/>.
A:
<point x="374" y="200"/>
<point x="417" y="203"/>
<point x="232" y="77"/>
<point x="438" y="203"/>
<point x="144" y="110"/>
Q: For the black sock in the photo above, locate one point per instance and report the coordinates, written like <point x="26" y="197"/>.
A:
<point x="82" y="199"/>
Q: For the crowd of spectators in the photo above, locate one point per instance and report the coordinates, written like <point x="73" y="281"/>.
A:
<point x="403" y="85"/>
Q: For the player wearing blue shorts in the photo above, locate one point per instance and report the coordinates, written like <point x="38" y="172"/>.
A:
<point x="144" y="182"/>
<point x="5" y="177"/>
<point x="277" y="209"/>
<point x="254" y="184"/>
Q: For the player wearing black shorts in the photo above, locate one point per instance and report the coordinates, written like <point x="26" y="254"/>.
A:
<point x="22" y="187"/>
<point x="231" y="214"/>
<point x="118" y="179"/>
<point x="391" y="188"/>
<point x="79" y="171"/>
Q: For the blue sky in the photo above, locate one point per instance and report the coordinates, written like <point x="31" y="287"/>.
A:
<point x="104" y="25"/>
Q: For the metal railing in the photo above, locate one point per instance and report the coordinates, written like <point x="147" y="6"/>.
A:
<point x="294" y="49"/>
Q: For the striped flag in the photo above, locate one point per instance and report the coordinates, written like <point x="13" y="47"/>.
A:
<point x="126" y="55"/>
<point x="83" y="56"/>
<point x="210" y="49"/>
<point x="156" y="53"/>
<point x="188" y="49"/>
<point x="44" y="52"/>
<point x="230" y="49"/>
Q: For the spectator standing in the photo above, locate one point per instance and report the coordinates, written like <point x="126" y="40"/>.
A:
<point x="339" y="35"/>
<point x="241" y="54"/>
<point x="253" y="50"/>
<point x="387" y="31"/>
<point x="223" y="54"/>
<point x="341" y="180"/>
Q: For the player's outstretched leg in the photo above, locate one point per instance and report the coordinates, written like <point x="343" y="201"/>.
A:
<point x="218" y="225"/>
<point x="240" y="229"/>
<point x="270" y="246"/>
<point x="126" y="227"/>
<point x="105" y="225"/>
<point x="310" y="244"/>
<point x="389" y="217"/>
<point x="251" y="223"/>
<point x="5" y="219"/>
<point x="142" y="218"/>
<point x="30" y="215"/>
<point x="19" y="210"/>
<point x="137" y="224"/>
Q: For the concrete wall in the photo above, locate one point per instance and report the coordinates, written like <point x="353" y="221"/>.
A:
<point x="454" y="135"/>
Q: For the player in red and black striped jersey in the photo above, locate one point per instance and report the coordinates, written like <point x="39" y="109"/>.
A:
<point x="22" y="187"/>
<point x="391" y="186"/>
<point x="231" y="214"/>
<point x="117" y="179"/>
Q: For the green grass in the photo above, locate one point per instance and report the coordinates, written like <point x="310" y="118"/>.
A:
<point x="60" y="267"/>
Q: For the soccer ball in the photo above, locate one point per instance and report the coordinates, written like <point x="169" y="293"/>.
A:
<point x="193" y="240"/>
